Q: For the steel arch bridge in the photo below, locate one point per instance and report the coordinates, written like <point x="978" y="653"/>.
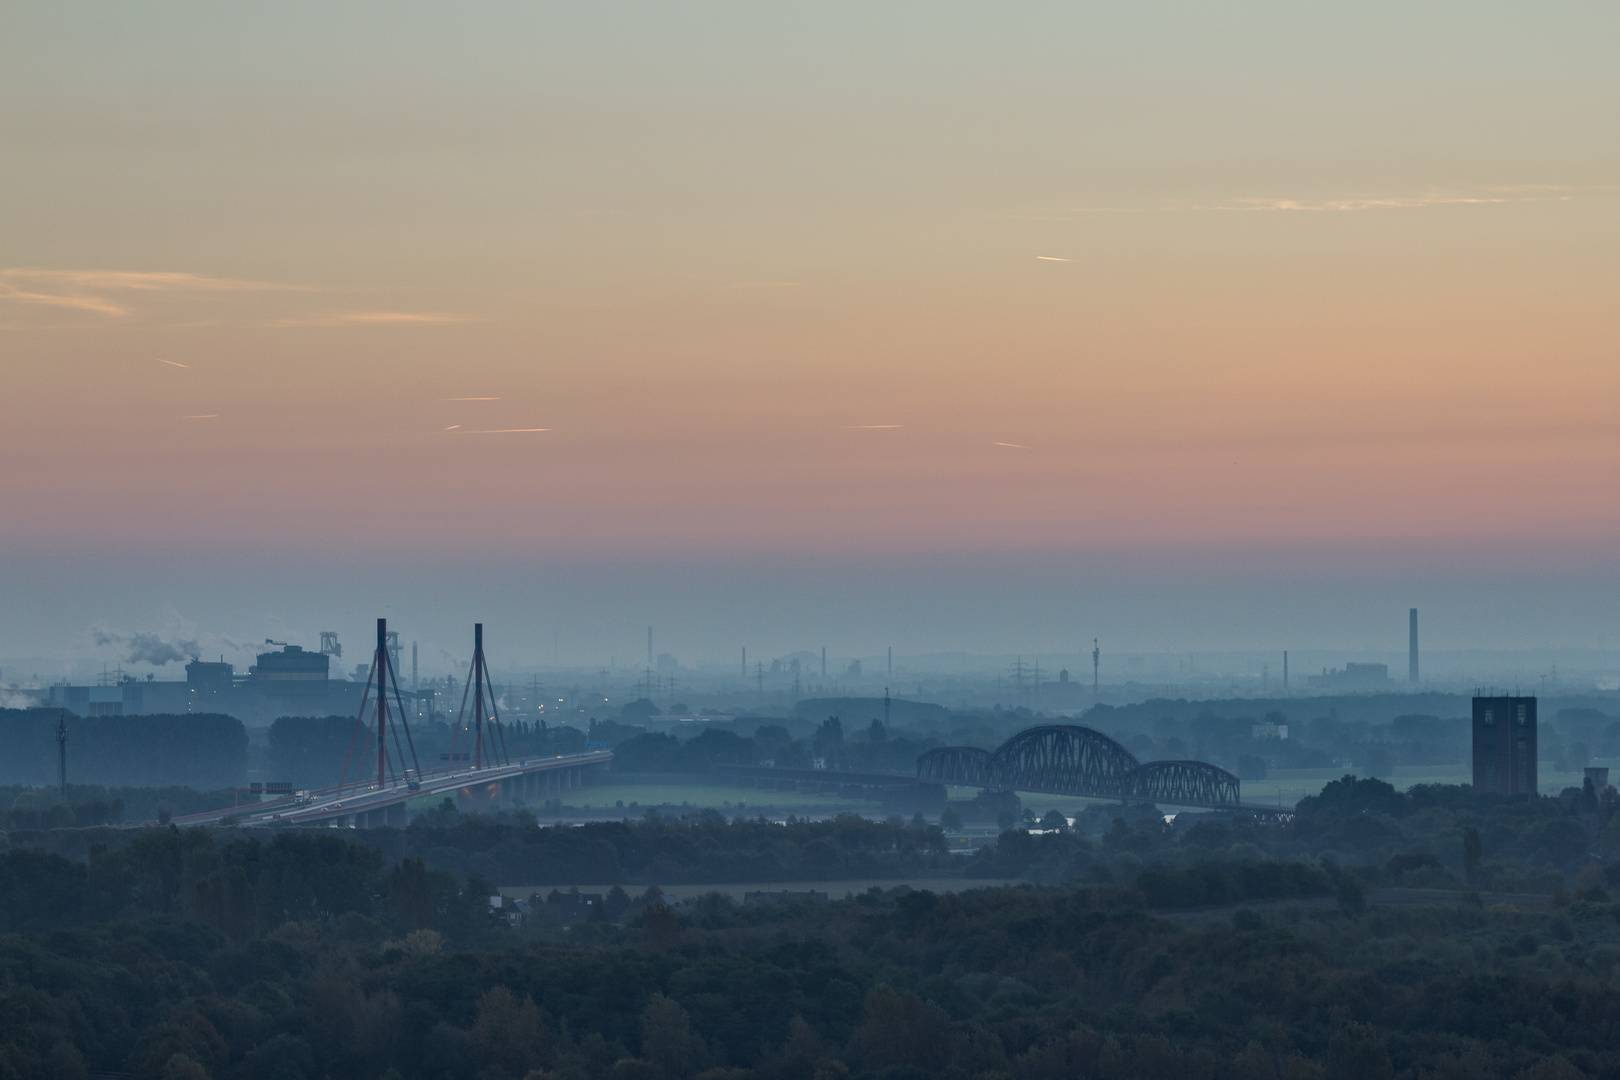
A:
<point x="1064" y="759"/>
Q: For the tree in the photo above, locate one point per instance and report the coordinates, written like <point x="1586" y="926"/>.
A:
<point x="1251" y="767"/>
<point x="667" y="1039"/>
<point x="410" y="895"/>
<point x="1357" y="1053"/>
<point x="509" y="1035"/>
<point x="902" y="1030"/>
<point x="639" y="709"/>
<point x="1379" y="761"/>
<point x="1472" y="854"/>
<point x="309" y="751"/>
<point x="226" y="901"/>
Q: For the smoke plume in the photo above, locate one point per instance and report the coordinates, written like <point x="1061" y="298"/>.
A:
<point x="149" y="647"/>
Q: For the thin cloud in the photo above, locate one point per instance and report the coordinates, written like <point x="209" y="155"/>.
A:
<point x="401" y="317"/>
<point x="81" y="290"/>
<point x="1388" y="203"/>
<point x="96" y="304"/>
<point x="379" y="318"/>
<point x="1049" y="212"/>
<point x="1485" y="196"/>
<point x="145" y="280"/>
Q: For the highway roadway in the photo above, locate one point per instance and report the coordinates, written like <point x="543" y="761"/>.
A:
<point x="529" y="781"/>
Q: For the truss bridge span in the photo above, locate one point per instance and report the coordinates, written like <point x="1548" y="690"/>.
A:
<point x="1066" y="759"/>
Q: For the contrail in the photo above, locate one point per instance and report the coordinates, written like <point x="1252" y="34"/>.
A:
<point x="1015" y="446"/>
<point x="202" y="416"/>
<point x="452" y="427"/>
<point x="171" y="363"/>
<point x="1053" y="258"/>
<point x="472" y="399"/>
<point x="874" y="427"/>
<point x="506" y="430"/>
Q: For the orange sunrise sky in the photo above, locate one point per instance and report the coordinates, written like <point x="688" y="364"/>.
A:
<point x="947" y="326"/>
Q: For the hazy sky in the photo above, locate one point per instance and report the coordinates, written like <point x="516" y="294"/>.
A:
<point x="977" y="326"/>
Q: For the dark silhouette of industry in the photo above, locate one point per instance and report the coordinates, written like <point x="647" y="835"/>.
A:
<point x="286" y="680"/>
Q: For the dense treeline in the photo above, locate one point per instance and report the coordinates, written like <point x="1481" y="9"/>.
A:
<point x="870" y="749"/>
<point x="309" y="956"/>
<point x="31" y="808"/>
<point x="201" y="750"/>
<point x="1417" y="838"/>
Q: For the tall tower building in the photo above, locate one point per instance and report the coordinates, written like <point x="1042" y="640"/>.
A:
<point x="1505" y="745"/>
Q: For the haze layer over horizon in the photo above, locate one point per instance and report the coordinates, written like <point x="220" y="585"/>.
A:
<point x="938" y="325"/>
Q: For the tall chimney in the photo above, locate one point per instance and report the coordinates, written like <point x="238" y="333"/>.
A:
<point x="1412" y="655"/>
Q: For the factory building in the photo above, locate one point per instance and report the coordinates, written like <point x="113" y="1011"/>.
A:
<point x="1505" y="745"/>
<point x="1352" y="677"/>
<point x="289" y="681"/>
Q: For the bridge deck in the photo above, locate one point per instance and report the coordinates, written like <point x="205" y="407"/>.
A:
<point x="370" y="805"/>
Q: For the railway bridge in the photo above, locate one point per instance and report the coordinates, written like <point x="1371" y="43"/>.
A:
<point x="1066" y="759"/>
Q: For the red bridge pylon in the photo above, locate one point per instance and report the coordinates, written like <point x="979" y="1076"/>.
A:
<point x="477" y="674"/>
<point x="381" y="678"/>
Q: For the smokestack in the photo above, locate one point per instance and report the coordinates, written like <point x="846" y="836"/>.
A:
<point x="1285" y="669"/>
<point x="824" y="663"/>
<point x="649" y="646"/>
<point x="1412" y="654"/>
<point x="413" y="666"/>
<point x="745" y="661"/>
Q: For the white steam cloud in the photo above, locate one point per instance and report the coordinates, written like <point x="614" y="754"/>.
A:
<point x="149" y="647"/>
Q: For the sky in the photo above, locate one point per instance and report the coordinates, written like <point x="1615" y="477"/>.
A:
<point x="947" y="326"/>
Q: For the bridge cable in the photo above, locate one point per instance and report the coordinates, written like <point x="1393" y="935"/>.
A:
<point x="404" y="723"/>
<point x="455" y="736"/>
<point x="364" y="698"/>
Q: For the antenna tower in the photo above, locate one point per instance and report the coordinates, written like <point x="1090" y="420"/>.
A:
<point x="1016" y="670"/>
